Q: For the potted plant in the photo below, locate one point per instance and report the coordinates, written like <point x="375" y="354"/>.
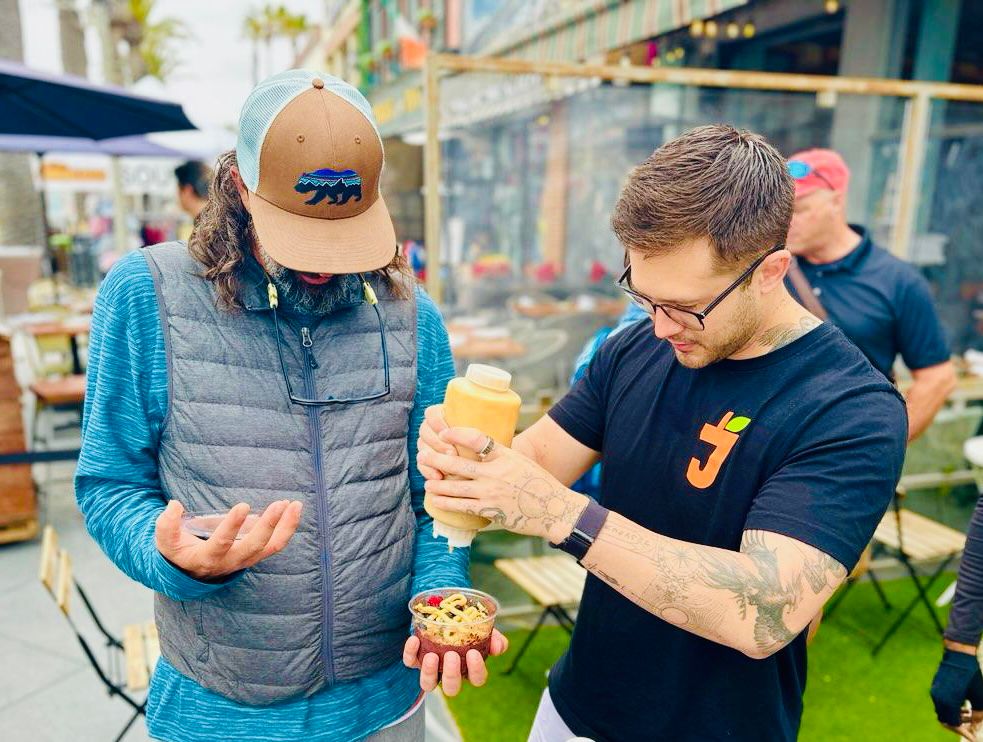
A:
<point x="427" y="19"/>
<point x="384" y="49"/>
<point x="368" y="62"/>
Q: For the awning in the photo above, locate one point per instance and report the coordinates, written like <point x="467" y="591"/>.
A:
<point x="588" y="28"/>
<point x="595" y="26"/>
<point x="41" y="103"/>
<point x="134" y="146"/>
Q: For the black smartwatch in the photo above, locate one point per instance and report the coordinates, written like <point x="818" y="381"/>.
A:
<point x="585" y="530"/>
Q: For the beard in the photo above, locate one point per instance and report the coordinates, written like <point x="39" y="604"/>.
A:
<point x="303" y="298"/>
<point x="744" y="326"/>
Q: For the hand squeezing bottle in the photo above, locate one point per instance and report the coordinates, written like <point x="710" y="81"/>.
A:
<point x="483" y="399"/>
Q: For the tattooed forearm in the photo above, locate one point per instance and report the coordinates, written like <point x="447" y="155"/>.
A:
<point x="760" y="588"/>
<point x="754" y="600"/>
<point x="781" y="335"/>
<point x="550" y="504"/>
<point x="822" y="572"/>
<point x="541" y="507"/>
<point x="667" y="594"/>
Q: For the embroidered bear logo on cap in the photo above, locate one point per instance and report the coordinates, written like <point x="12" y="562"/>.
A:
<point x="340" y="186"/>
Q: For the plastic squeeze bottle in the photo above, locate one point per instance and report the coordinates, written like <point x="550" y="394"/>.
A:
<point x="484" y="400"/>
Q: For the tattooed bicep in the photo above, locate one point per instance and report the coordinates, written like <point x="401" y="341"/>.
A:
<point x="786" y="556"/>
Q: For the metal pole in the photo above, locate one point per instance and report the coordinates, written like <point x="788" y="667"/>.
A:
<point x="113" y="73"/>
<point x="912" y="158"/>
<point x="431" y="179"/>
<point x="48" y="254"/>
<point x="120" y="234"/>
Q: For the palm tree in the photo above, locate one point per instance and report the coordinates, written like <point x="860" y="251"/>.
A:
<point x="293" y="26"/>
<point x="260" y="27"/>
<point x="20" y="208"/>
<point x="253" y="30"/>
<point x="151" y="42"/>
<point x="269" y="23"/>
<point x="74" y="60"/>
<point x="270" y="16"/>
<point x="73" y="57"/>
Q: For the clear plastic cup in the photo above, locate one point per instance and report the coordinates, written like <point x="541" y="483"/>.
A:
<point x="203" y="524"/>
<point x="459" y="637"/>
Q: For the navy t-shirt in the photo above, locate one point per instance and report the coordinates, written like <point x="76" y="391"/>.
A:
<point x="815" y="439"/>
<point x="882" y="304"/>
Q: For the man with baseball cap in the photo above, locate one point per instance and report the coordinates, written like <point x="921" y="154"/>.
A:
<point x="880" y="302"/>
<point x="271" y="372"/>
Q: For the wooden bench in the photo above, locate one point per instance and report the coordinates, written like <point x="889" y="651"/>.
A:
<point x="921" y="538"/>
<point x="553" y="582"/>
<point x="68" y="391"/>
<point x="130" y="661"/>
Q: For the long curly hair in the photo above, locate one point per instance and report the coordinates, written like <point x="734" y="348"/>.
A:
<point x="223" y="238"/>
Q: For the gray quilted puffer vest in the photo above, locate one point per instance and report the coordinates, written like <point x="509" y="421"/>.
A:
<point x="331" y="607"/>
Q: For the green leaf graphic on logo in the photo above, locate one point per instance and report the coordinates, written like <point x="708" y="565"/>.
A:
<point x="737" y="424"/>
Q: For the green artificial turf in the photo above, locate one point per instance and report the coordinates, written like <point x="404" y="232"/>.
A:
<point x="850" y="695"/>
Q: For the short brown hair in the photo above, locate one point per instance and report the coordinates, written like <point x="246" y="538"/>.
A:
<point x="716" y="182"/>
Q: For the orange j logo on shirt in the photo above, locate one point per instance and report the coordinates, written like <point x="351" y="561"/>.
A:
<point x="722" y="437"/>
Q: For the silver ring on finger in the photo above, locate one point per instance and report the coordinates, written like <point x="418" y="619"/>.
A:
<point x="485" y="452"/>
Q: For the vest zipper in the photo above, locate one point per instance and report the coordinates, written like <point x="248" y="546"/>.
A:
<point x="314" y="421"/>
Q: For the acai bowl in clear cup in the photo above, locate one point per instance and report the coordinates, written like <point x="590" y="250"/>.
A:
<point x="453" y="619"/>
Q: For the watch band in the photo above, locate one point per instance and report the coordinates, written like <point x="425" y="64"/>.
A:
<point x="585" y="530"/>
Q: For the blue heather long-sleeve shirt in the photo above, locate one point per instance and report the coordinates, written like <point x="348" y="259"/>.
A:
<point x="119" y="493"/>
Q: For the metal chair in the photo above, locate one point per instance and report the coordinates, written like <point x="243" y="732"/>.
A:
<point x="912" y="539"/>
<point x="554" y="582"/>
<point x="129" y="661"/>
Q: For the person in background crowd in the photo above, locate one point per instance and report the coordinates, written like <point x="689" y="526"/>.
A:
<point x="880" y="302"/>
<point x="193" y="178"/>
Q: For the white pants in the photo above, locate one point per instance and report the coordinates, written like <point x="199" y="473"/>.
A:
<point x="548" y="726"/>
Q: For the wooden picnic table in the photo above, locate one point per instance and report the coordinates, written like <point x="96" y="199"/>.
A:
<point x="487" y="349"/>
<point x="968" y="389"/>
<point x="70" y="328"/>
<point x="612" y="308"/>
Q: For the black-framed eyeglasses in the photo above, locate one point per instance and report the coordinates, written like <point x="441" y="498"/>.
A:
<point x="370" y="297"/>
<point x="685" y="317"/>
<point x="800" y="170"/>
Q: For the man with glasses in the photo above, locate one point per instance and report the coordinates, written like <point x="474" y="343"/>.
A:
<point x="749" y="452"/>
<point x="880" y="302"/>
<point x="270" y="372"/>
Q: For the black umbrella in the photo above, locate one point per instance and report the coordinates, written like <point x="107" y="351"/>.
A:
<point x="45" y="104"/>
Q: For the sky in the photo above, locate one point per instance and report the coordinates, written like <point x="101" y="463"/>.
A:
<point x="215" y="73"/>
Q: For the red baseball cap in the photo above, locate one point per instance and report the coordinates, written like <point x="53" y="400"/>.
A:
<point x="813" y="169"/>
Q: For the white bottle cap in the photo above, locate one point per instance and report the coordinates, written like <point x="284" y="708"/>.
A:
<point x="457" y="538"/>
<point x="489" y="377"/>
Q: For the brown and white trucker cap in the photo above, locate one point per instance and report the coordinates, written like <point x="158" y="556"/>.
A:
<point x="311" y="155"/>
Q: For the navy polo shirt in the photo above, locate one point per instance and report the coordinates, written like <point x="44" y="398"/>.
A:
<point x="882" y="304"/>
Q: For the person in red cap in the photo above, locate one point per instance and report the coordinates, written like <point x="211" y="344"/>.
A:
<point x="880" y="302"/>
